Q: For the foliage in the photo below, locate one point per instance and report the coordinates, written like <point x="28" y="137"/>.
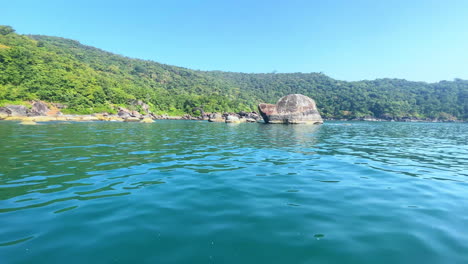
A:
<point x="4" y="103"/>
<point x="88" y="80"/>
<point x="4" y="30"/>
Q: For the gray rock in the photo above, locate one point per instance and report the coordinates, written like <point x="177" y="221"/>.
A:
<point x="232" y="119"/>
<point x="135" y="114"/>
<point x="252" y="115"/>
<point x="124" y="112"/>
<point x="145" y="107"/>
<point x="187" y="117"/>
<point x="4" y="111"/>
<point x="132" y="119"/>
<point x="39" y="109"/>
<point x="242" y="114"/>
<point x="205" y="116"/>
<point x="18" y="110"/>
<point x="216" y="117"/>
<point x="291" y="109"/>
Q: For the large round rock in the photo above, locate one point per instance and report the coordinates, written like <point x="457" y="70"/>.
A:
<point x="291" y="109"/>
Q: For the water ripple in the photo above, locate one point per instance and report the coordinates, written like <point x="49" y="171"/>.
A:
<point x="206" y="192"/>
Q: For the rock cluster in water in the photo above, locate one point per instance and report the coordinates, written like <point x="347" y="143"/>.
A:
<point x="291" y="109"/>
<point x="241" y="117"/>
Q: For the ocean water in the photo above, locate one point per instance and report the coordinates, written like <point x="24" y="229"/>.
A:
<point x="199" y="192"/>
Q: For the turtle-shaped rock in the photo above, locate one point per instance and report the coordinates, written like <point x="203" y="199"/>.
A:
<point x="291" y="109"/>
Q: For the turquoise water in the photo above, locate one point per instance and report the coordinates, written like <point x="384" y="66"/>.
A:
<point x="199" y="192"/>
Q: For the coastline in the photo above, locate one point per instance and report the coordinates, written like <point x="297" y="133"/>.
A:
<point x="152" y="118"/>
<point x="39" y="111"/>
<point x="400" y="120"/>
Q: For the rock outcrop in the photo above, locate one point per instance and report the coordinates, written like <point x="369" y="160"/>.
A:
<point x="216" y="117"/>
<point x="241" y="117"/>
<point x="17" y="110"/>
<point x="291" y="109"/>
<point x="132" y="119"/>
<point x="142" y="105"/>
<point x="4" y="112"/>
<point x="147" y="120"/>
<point x="233" y="119"/>
<point x="126" y="113"/>
<point x="39" y="109"/>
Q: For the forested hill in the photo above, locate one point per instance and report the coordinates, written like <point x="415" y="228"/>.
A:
<point x="88" y="79"/>
<point x="381" y="98"/>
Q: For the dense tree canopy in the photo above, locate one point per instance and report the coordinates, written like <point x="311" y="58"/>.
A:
<point x="88" y="79"/>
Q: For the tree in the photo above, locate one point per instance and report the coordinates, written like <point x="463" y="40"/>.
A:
<point x="5" y="30"/>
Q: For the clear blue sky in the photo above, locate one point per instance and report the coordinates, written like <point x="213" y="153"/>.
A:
<point x="422" y="40"/>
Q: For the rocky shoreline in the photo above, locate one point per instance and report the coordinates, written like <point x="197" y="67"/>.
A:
<point x="397" y="119"/>
<point x="43" y="112"/>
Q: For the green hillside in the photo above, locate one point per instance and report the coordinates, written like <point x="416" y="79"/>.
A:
<point x="378" y="98"/>
<point x="87" y="80"/>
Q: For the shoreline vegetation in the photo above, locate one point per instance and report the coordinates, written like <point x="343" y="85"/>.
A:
<point x="84" y="80"/>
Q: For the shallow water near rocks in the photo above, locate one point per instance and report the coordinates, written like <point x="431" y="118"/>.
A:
<point x="199" y="192"/>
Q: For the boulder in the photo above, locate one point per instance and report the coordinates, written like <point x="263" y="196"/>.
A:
<point x="18" y="110"/>
<point x="124" y="113"/>
<point x="144" y="107"/>
<point x="4" y="112"/>
<point x="187" y="117"/>
<point x="146" y="120"/>
<point x="39" y="109"/>
<point x="135" y="114"/>
<point x="205" y="116"/>
<point x="3" y="115"/>
<point x="132" y="119"/>
<point x="216" y="117"/>
<point x="291" y="109"/>
<point x="232" y="119"/>
<point x="253" y="115"/>
<point x="114" y="118"/>
<point x="163" y="116"/>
